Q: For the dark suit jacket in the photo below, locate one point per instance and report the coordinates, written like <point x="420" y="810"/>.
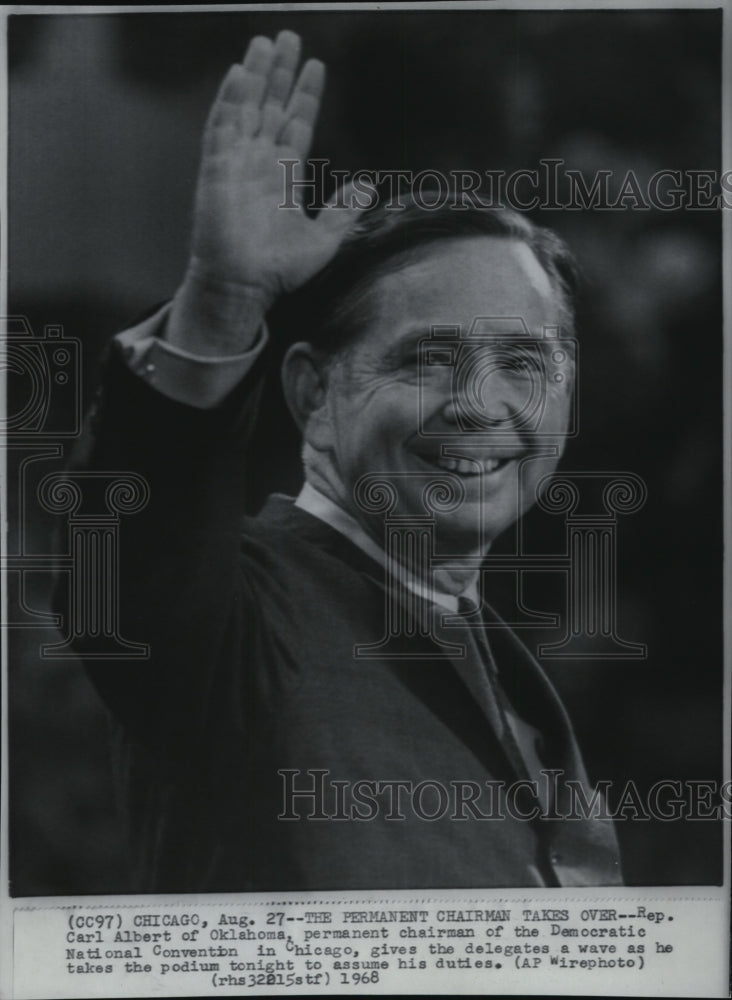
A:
<point x="251" y="624"/>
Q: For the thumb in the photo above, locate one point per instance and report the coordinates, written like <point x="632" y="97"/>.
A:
<point x="343" y="209"/>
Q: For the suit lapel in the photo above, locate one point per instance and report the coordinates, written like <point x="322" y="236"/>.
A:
<point x="425" y="631"/>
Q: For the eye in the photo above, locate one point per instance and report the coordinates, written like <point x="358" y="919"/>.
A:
<point x="440" y="357"/>
<point x="526" y="365"/>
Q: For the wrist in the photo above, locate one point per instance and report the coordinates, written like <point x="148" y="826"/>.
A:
<point x="211" y="281"/>
<point x="214" y="317"/>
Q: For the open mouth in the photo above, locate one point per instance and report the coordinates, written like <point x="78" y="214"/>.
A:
<point x="469" y="466"/>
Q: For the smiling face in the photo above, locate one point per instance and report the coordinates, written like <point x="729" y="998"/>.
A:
<point x="385" y="412"/>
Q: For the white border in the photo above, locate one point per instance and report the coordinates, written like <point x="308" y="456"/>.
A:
<point x="54" y="903"/>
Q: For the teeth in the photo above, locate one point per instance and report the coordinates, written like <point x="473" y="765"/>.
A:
<point x="467" y="468"/>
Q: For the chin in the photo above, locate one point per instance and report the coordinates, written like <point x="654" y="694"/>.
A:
<point x="467" y="536"/>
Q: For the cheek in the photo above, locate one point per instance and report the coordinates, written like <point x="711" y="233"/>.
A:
<point x="555" y="418"/>
<point x="430" y="397"/>
<point x="378" y="421"/>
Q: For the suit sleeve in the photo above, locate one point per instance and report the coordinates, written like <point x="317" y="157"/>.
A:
<point x="202" y="382"/>
<point x="181" y="590"/>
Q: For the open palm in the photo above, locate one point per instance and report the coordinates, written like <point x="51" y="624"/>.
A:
<point x="241" y="235"/>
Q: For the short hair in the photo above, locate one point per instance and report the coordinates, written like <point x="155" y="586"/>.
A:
<point x="329" y="311"/>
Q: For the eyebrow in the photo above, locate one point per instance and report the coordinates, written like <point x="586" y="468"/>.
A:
<point x="405" y="341"/>
<point x="411" y="337"/>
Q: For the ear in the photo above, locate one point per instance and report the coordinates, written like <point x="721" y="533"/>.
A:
<point x="305" y="387"/>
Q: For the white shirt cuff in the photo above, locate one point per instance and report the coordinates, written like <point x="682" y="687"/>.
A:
<point x="178" y="374"/>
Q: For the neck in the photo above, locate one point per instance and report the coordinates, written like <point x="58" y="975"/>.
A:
<point x="322" y="478"/>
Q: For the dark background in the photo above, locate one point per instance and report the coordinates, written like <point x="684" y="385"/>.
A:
<point x="105" y="118"/>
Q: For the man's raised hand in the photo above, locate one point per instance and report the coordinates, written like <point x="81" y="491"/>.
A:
<point x="246" y="250"/>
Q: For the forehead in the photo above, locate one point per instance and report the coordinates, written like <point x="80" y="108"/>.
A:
<point x="453" y="282"/>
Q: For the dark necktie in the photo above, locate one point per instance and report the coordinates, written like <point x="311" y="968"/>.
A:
<point x="518" y="737"/>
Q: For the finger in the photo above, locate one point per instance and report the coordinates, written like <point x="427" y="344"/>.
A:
<point x="258" y="56"/>
<point x="241" y="89"/>
<point x="307" y="94"/>
<point x="279" y="85"/>
<point x="256" y="69"/>
<point x="297" y="135"/>
<point x="286" y="58"/>
<point x="272" y="117"/>
<point x="303" y="108"/>
<point x="224" y="112"/>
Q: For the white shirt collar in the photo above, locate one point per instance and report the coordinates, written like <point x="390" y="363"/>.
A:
<point x="322" y="507"/>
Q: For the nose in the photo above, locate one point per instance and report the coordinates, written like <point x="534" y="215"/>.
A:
<point x="492" y="403"/>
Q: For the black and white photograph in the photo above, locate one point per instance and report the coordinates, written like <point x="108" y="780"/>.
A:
<point x="366" y="474"/>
